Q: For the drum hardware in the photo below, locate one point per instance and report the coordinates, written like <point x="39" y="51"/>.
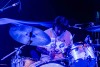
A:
<point x="16" y="61"/>
<point x="97" y="57"/>
<point x="95" y="30"/>
<point x="16" y="58"/>
<point x="77" y="26"/>
<point x="5" y="8"/>
<point x="88" y="39"/>
<point x="97" y="42"/>
<point x="17" y="50"/>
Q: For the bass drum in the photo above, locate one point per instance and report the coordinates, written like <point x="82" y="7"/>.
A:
<point x="50" y="64"/>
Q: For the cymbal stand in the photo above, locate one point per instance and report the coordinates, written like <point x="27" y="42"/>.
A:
<point x="16" y="50"/>
<point x="97" y="57"/>
<point x="97" y="38"/>
<point x="16" y="60"/>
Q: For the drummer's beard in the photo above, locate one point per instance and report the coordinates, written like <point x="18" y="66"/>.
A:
<point x="58" y="32"/>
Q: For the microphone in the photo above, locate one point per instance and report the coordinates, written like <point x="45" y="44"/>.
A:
<point x="13" y="5"/>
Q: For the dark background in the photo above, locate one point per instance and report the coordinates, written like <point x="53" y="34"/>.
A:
<point x="77" y="11"/>
<point x="46" y="10"/>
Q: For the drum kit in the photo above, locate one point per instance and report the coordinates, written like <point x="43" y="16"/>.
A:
<point x="29" y="35"/>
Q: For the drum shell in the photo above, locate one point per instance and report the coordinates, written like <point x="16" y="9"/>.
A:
<point x="90" y="52"/>
<point x="77" y="52"/>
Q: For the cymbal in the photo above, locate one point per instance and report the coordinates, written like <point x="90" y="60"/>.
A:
<point x="94" y="28"/>
<point x="29" y="35"/>
<point x="33" y="23"/>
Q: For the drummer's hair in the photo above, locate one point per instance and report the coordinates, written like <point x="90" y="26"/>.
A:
<point x="59" y="21"/>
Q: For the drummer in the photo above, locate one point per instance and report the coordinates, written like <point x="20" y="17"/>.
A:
<point x="60" y="39"/>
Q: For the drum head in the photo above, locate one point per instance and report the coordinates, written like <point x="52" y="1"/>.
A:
<point x="56" y="63"/>
<point x="51" y="64"/>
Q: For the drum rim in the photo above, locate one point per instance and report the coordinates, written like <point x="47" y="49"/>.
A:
<point x="50" y="62"/>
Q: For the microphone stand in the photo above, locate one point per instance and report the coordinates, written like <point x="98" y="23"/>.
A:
<point x="13" y="5"/>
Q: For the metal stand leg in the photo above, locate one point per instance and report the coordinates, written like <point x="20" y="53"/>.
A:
<point x="17" y="50"/>
<point x="97" y="58"/>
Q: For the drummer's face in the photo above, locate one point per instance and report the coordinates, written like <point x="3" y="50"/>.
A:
<point x="57" y="30"/>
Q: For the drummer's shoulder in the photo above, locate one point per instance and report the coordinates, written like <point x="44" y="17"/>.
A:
<point x="67" y="32"/>
<point x="48" y="30"/>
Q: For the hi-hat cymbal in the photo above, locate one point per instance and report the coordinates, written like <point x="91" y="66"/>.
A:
<point x="29" y="35"/>
<point x="94" y="28"/>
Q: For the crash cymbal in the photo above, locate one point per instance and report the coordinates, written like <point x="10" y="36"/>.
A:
<point x="94" y="28"/>
<point x="33" y="23"/>
<point x="25" y="34"/>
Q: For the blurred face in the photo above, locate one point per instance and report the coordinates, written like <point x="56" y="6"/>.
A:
<point x="59" y="24"/>
<point x="58" y="30"/>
